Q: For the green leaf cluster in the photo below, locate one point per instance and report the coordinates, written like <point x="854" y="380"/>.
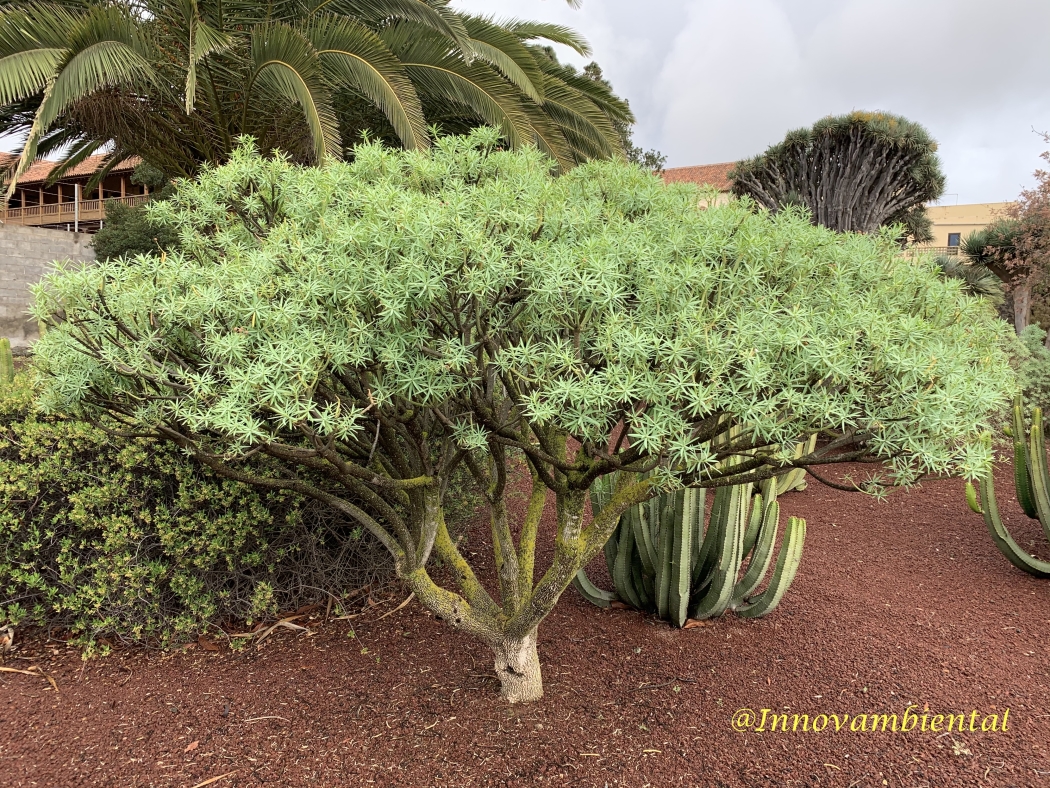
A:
<point x="604" y="290"/>
<point x="1031" y="358"/>
<point x="128" y="231"/>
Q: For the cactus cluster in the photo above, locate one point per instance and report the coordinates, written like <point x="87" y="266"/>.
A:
<point x="1032" y="483"/>
<point x="7" y="362"/>
<point x="662" y="560"/>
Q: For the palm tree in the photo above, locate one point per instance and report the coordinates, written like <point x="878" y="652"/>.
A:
<point x="995" y="249"/>
<point x="178" y="81"/>
<point x="977" y="278"/>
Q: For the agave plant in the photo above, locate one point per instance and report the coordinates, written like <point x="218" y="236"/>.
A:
<point x="1032" y="483"/>
<point x="663" y="561"/>
<point x="178" y="81"/>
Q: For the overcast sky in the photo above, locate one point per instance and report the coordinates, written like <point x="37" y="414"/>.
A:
<point x="719" y="80"/>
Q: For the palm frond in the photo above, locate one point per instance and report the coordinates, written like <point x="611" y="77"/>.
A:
<point x="106" y="49"/>
<point x="287" y="67"/>
<point x="978" y="279"/>
<point x="556" y="34"/>
<point x="354" y="56"/>
<point x="111" y="161"/>
<point x="203" y="41"/>
<point x="39" y="26"/>
<point x="379" y="14"/>
<point x="597" y="91"/>
<point x="177" y="81"/>
<point x="549" y="137"/>
<point x="27" y="73"/>
<point x="72" y="159"/>
<point x="576" y="113"/>
<point x="503" y="50"/>
<point x="31" y="47"/>
<point x="440" y="73"/>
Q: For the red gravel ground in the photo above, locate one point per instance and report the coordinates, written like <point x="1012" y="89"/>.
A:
<point x="896" y="603"/>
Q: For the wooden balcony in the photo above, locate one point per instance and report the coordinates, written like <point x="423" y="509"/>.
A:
<point x="90" y="211"/>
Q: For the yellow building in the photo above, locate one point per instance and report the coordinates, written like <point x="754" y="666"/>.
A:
<point x="952" y="223"/>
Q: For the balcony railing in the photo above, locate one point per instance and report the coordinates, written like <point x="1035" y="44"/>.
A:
<point x="66" y="212"/>
<point x="936" y="251"/>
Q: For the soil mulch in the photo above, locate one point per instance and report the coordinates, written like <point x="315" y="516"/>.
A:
<point x="904" y="603"/>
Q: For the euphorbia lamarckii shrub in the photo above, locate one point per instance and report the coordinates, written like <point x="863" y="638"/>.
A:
<point x="382" y="321"/>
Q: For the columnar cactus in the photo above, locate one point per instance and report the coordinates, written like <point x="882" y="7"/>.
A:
<point x="662" y="560"/>
<point x="795" y="479"/>
<point x="1032" y="483"/>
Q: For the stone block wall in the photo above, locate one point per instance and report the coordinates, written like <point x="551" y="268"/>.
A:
<point x="26" y="254"/>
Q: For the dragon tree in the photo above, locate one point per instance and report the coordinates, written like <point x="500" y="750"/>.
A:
<point x="855" y="173"/>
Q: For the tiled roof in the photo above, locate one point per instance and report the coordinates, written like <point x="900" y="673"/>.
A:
<point x="716" y="175"/>
<point x="40" y="169"/>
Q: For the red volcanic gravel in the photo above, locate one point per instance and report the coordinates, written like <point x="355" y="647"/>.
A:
<point x="904" y="602"/>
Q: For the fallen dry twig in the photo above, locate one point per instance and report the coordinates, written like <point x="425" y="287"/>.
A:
<point x="214" y="779"/>
<point x="399" y="607"/>
<point x="263" y="634"/>
<point x="675" y="680"/>
<point x="33" y="671"/>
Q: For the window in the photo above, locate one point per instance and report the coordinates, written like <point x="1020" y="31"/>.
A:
<point x="953" y="239"/>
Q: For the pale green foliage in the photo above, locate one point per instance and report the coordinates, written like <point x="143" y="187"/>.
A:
<point x="785" y="325"/>
<point x="374" y="321"/>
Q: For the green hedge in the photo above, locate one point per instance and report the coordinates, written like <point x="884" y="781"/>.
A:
<point x="1032" y="361"/>
<point x="129" y="539"/>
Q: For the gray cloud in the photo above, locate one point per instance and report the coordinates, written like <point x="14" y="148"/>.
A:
<point x="718" y="80"/>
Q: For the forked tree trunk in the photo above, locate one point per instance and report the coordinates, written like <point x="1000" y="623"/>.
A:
<point x="518" y="668"/>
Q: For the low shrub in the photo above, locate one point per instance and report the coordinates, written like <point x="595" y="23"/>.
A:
<point x="128" y="231"/>
<point x="1031" y="359"/>
<point x="130" y="539"/>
